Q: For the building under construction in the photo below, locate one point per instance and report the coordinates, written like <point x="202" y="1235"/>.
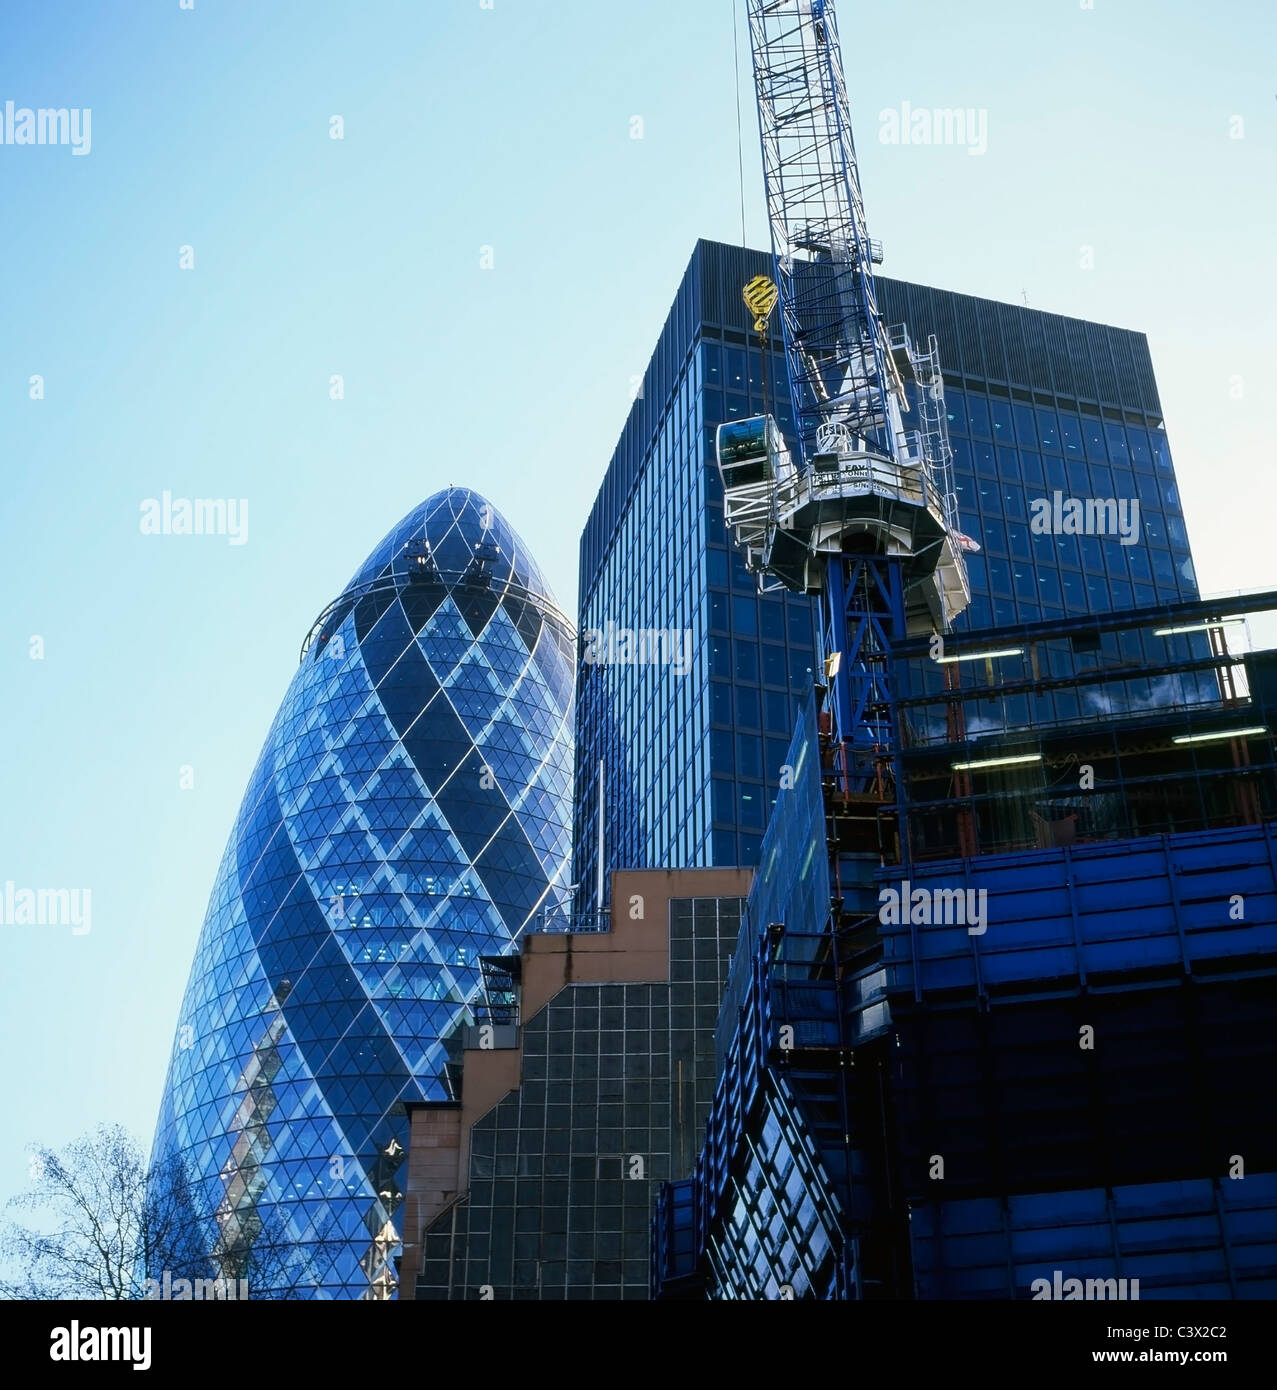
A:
<point x="996" y="1023"/>
<point x="1015" y="1017"/>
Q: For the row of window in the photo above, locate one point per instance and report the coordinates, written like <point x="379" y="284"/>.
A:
<point x="738" y="373"/>
<point x="1056" y="431"/>
<point x="647" y="724"/>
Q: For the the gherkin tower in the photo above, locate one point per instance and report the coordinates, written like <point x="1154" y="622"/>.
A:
<point x="410" y="812"/>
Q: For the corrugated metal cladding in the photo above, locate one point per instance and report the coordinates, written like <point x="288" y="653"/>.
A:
<point x="980" y="339"/>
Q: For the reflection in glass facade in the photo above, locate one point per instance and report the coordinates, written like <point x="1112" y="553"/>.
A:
<point x="409" y="811"/>
<point x="904" y="1108"/>
<point x="908" y="1107"/>
<point x="1037" y="403"/>
<point x="614" y="1084"/>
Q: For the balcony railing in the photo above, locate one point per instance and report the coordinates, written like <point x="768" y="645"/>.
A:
<point x="556" y="919"/>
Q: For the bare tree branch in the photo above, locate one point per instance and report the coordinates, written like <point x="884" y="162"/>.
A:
<point x="109" y="1223"/>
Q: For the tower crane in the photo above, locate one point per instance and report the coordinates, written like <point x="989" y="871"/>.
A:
<point x="858" y="506"/>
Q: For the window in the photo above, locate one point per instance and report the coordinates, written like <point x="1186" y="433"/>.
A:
<point x="1048" y="429"/>
<point x="734" y="360"/>
<point x="1141" y="451"/>
<point x="745" y="616"/>
<point x="1066" y="552"/>
<point x="1092" y="554"/>
<point x="1164" y="570"/>
<point x="748" y="706"/>
<point x="1071" y="434"/>
<point x="776" y="709"/>
<point x="995" y="536"/>
<point x="1008" y="463"/>
<point x="1093" y="430"/>
<point x="720" y="745"/>
<point x="978" y="411"/>
<point x="1118" y="450"/>
<point x="749" y="753"/>
<point x="1026" y="429"/>
<point x="774" y="669"/>
<point x="1101" y="480"/>
<point x="773" y="619"/>
<point x="1073" y="587"/>
<point x="1013" y="504"/>
<point x="1079" y="481"/>
<point x="1049" y="587"/>
<point x="1031" y="463"/>
<point x="751" y="806"/>
<point x="999" y="575"/>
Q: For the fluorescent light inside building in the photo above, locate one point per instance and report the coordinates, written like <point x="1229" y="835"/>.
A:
<point x="1196" y="627"/>
<point x="997" y="762"/>
<point x="1252" y="732"/>
<point x="981" y="656"/>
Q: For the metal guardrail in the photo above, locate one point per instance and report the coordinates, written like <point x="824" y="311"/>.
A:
<point x="554" y="919"/>
<point x="398" y="581"/>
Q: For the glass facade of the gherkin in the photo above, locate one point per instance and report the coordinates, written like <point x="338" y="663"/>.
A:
<point x="410" y="812"/>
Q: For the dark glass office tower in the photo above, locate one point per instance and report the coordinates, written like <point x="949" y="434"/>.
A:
<point x="972" y="1042"/>
<point x="1038" y="404"/>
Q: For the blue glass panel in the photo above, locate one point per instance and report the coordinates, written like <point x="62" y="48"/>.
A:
<point x="384" y="842"/>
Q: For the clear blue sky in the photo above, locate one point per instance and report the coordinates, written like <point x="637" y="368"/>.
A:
<point x="465" y="128"/>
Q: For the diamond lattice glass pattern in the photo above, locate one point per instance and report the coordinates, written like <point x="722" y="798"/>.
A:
<point x="410" y="811"/>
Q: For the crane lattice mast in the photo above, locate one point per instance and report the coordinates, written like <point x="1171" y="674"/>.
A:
<point x="859" y="505"/>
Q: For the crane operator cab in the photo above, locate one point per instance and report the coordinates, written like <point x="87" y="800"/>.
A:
<point x="746" y="449"/>
<point x="756" y="471"/>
